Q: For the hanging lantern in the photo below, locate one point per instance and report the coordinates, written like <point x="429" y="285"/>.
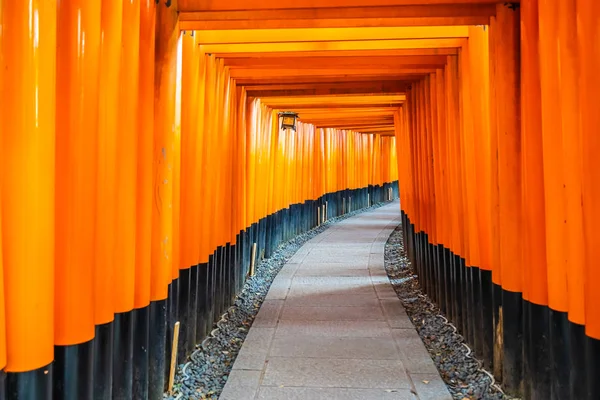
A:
<point x="288" y="120"/>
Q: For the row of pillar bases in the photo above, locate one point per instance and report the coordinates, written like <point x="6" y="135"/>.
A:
<point x="534" y="352"/>
<point x="135" y="356"/>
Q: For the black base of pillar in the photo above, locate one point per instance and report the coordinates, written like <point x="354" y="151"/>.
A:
<point x="512" y="361"/>
<point x="202" y="306"/>
<point x="559" y="361"/>
<point x="157" y="350"/>
<point x="537" y="351"/>
<point x="592" y="367"/>
<point x="185" y="279"/>
<point x="141" y="326"/>
<point x="103" y="362"/>
<point x="30" y="385"/>
<point x="73" y="372"/>
<point x="123" y="356"/>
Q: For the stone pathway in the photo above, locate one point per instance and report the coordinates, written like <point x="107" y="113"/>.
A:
<point x="332" y="327"/>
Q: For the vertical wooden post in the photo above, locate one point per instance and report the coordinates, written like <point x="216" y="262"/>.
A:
<point x="173" y="364"/>
<point x="165" y="70"/>
<point x="588" y="12"/>
<point x="106" y="177"/>
<point x="506" y="101"/>
<point x="535" y="290"/>
<point x="253" y="259"/>
<point x="27" y="139"/>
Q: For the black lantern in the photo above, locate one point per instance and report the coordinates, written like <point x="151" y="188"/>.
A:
<point x="288" y="120"/>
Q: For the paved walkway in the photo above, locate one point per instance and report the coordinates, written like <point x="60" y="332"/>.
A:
<point x="332" y="327"/>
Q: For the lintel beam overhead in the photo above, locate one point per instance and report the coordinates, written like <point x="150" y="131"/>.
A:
<point x="446" y="51"/>
<point x="339" y="16"/>
<point x="333" y="45"/>
<point x="287" y="35"/>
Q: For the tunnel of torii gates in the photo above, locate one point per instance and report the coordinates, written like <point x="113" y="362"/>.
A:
<point x="143" y="167"/>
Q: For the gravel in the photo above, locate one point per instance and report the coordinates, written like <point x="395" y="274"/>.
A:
<point x="205" y="373"/>
<point x="457" y="366"/>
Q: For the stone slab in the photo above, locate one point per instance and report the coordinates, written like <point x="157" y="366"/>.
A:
<point x="334" y="328"/>
<point x="255" y="349"/>
<point x="268" y="315"/>
<point x="302" y="393"/>
<point x="241" y="385"/>
<point x="336" y="373"/>
<point x="334" y="347"/>
<point x="360" y="313"/>
<point x="434" y="389"/>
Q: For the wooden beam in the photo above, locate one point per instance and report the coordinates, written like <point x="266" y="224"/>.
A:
<point x="196" y="22"/>
<point x="256" y="5"/>
<point x="330" y="101"/>
<point x="364" y="90"/>
<point x="335" y="62"/>
<point x="310" y="72"/>
<point x="446" y="51"/>
<point x="333" y="46"/>
<point x="338" y="17"/>
<point x="329" y="34"/>
<point x="328" y="79"/>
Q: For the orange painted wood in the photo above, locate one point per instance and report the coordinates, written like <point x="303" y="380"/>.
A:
<point x="175" y="166"/>
<point x="28" y="188"/>
<point x="290" y="35"/>
<point x="480" y="106"/>
<point x="2" y="117"/>
<point x="106" y="173"/>
<point x="126" y="184"/>
<point x="534" y="219"/>
<point x="77" y="68"/>
<point x="553" y="158"/>
<point x="507" y="103"/>
<point x="493" y="149"/>
<point x="572" y="156"/>
<point x="165" y="69"/>
<point x="333" y="46"/>
<point x="216" y="5"/>
<point x="588" y="12"/>
<point x="145" y="142"/>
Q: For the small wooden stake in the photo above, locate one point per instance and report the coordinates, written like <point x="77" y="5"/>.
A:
<point x="350" y="204"/>
<point x="318" y="216"/>
<point x="174" y="356"/>
<point x="326" y="210"/>
<point x="252" y="259"/>
<point x="344" y="205"/>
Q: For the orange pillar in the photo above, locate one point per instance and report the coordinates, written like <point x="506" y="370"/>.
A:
<point x="2" y="305"/>
<point x="27" y="140"/>
<point x="145" y="141"/>
<point x="553" y="157"/>
<point x="571" y="140"/>
<point x="106" y="198"/>
<point x="106" y="173"/>
<point x="189" y="184"/>
<point x="143" y="195"/>
<point x="126" y="188"/>
<point x="77" y="71"/>
<point x="506" y="101"/>
<point x="535" y="282"/>
<point x="165" y="69"/>
<point x="588" y="12"/>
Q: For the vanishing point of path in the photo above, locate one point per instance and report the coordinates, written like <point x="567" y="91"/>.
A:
<point x="332" y="327"/>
